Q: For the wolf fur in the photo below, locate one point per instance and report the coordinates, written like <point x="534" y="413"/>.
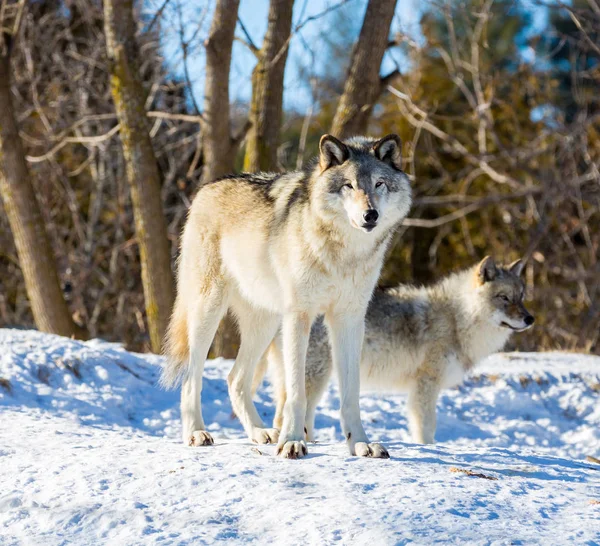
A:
<point x="279" y="250"/>
<point x="420" y="340"/>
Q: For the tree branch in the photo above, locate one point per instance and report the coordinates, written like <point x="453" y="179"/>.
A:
<point x="158" y="15"/>
<point x="387" y="80"/>
<point x="93" y="140"/>
<point x="300" y="25"/>
<point x="411" y="110"/>
<point x="248" y="42"/>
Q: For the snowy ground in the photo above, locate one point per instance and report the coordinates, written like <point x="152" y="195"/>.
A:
<point x="90" y="454"/>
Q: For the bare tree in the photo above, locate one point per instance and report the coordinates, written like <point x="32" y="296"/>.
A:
<point x="363" y="85"/>
<point x="267" y="89"/>
<point x="141" y="166"/>
<point x="36" y="258"/>
<point x="219" y="144"/>
<point x="495" y="179"/>
<point x="491" y="176"/>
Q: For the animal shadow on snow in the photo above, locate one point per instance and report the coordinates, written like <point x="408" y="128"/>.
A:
<point x="498" y="462"/>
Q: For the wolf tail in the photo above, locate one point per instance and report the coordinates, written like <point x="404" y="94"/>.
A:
<point x="176" y="347"/>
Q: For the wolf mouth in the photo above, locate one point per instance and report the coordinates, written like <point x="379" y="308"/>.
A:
<point x="506" y="325"/>
<point x="364" y="227"/>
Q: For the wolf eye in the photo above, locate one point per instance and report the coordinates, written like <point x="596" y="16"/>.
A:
<point x="503" y="297"/>
<point x="379" y="184"/>
<point x="347" y="185"/>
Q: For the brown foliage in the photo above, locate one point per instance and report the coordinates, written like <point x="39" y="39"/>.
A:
<point x="67" y="122"/>
<point x="505" y="157"/>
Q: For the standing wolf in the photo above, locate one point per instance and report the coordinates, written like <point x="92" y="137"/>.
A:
<point x="421" y="340"/>
<point x="278" y="250"/>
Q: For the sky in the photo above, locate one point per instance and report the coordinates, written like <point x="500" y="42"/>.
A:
<point x="253" y="14"/>
<point x="195" y="19"/>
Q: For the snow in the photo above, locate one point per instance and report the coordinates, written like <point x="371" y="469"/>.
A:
<point x="90" y="454"/>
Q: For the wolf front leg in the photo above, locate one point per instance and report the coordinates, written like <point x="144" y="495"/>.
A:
<point x="274" y="358"/>
<point x="295" y="333"/>
<point x="346" y="333"/>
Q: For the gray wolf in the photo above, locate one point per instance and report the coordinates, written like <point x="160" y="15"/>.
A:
<point x="420" y="340"/>
<point x="279" y="250"/>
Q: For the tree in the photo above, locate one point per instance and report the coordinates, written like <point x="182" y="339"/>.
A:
<point x="499" y="120"/>
<point x="493" y="176"/>
<point x="142" y="171"/>
<point x="572" y="46"/>
<point x="36" y="258"/>
<point x="267" y="90"/>
<point x="363" y="85"/>
<point x="219" y="144"/>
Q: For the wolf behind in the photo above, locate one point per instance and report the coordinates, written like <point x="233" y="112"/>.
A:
<point x="278" y="250"/>
<point x="421" y="340"/>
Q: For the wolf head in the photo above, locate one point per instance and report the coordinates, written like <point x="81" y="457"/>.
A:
<point x="361" y="182"/>
<point x="501" y="291"/>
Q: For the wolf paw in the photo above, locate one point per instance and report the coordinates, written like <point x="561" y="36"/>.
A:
<point x="265" y="435"/>
<point x="292" y="449"/>
<point x="375" y="451"/>
<point x="200" y="438"/>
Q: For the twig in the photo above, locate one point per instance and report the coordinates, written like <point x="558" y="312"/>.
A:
<point x="471" y="473"/>
<point x="453" y="142"/>
<point x="300" y="25"/>
<point x="157" y="15"/>
<point x="93" y="140"/>
<point x="248" y="42"/>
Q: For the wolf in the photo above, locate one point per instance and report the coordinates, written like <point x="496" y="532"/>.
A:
<point x="279" y="250"/>
<point x="419" y="340"/>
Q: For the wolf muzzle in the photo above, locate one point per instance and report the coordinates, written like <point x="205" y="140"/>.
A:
<point x="370" y="218"/>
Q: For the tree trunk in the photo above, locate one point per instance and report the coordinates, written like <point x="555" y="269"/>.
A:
<point x="363" y="84"/>
<point x="48" y="305"/>
<point x="142" y="170"/>
<point x="267" y="90"/>
<point x="219" y="146"/>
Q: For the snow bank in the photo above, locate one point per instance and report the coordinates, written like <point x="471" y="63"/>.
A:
<point x="90" y="453"/>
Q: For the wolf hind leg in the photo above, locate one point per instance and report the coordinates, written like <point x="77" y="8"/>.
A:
<point x="422" y="399"/>
<point x="257" y="329"/>
<point x="274" y="358"/>
<point x="309" y="424"/>
<point x="259" y="374"/>
<point x="315" y="387"/>
<point x="204" y="316"/>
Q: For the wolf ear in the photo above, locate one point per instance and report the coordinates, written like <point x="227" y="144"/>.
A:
<point x="517" y="267"/>
<point x="333" y="152"/>
<point x="389" y="150"/>
<point x="486" y="270"/>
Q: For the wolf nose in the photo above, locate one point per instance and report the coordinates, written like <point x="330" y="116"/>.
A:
<point x="529" y="320"/>
<point x="370" y="216"/>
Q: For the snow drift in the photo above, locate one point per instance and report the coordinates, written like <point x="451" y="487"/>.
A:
<point x="90" y="453"/>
